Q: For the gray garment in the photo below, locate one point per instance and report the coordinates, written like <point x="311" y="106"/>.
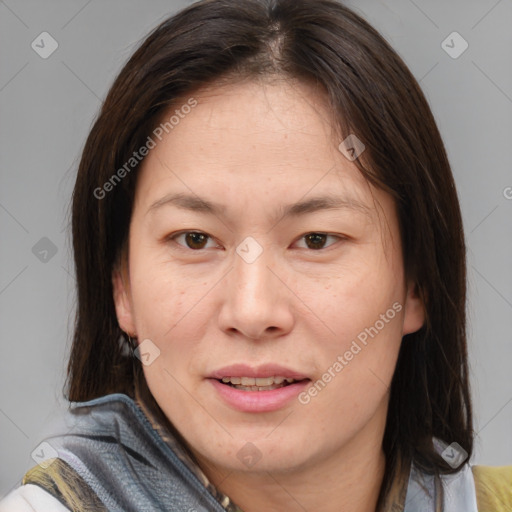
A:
<point x="459" y="492"/>
<point x="112" y="445"/>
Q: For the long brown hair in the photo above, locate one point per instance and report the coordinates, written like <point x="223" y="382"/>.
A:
<point x="372" y="94"/>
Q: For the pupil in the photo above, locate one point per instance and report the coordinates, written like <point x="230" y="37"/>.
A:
<point x="315" y="238"/>
<point x="195" y="238"/>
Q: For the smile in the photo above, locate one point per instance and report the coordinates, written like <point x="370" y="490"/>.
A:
<point x="257" y="384"/>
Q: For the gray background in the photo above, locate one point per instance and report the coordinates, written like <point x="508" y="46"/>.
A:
<point x="47" y="106"/>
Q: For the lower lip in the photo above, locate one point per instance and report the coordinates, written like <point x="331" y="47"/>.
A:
<point x="259" y="401"/>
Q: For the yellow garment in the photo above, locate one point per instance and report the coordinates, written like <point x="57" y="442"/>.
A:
<point x="493" y="488"/>
<point x="65" y="484"/>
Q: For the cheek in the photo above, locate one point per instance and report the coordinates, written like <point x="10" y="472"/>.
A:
<point x="363" y="308"/>
<point x="163" y="294"/>
<point x="354" y="295"/>
<point x="170" y="313"/>
<point x="354" y="379"/>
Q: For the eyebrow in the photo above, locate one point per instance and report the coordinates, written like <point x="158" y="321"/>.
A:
<point x="314" y="204"/>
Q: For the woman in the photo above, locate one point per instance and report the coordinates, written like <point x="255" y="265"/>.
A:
<point x="271" y="281"/>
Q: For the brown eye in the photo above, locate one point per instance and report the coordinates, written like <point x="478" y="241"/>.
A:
<point x="315" y="240"/>
<point x="191" y="239"/>
<point x="196" y="240"/>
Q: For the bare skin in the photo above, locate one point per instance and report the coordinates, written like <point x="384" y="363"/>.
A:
<point x="256" y="148"/>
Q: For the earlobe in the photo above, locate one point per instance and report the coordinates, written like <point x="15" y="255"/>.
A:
<point x="414" y="316"/>
<point x="122" y="302"/>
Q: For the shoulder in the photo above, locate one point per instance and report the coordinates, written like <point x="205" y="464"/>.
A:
<point x="108" y="445"/>
<point x="31" y="498"/>
<point x="493" y="487"/>
<point x="470" y="489"/>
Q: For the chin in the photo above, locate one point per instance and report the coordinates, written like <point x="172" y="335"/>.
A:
<point x="261" y="455"/>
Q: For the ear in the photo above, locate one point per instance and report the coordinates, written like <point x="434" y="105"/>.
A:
<point x="414" y="316"/>
<point x="122" y="299"/>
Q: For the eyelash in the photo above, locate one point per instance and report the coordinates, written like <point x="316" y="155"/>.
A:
<point x="174" y="236"/>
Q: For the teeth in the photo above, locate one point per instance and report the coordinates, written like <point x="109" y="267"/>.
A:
<point x="268" y="381"/>
<point x="260" y="382"/>
<point x="259" y="388"/>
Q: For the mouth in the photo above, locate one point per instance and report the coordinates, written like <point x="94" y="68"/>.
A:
<point x="258" y="383"/>
<point x="258" y="389"/>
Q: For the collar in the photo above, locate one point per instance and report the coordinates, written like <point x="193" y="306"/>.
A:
<point x="458" y="491"/>
<point x="132" y="460"/>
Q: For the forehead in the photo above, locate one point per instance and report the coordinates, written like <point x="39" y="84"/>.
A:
<point x="256" y="149"/>
<point x="249" y="134"/>
<point x="249" y="153"/>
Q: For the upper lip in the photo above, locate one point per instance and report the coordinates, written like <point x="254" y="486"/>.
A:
<point x="261" y="371"/>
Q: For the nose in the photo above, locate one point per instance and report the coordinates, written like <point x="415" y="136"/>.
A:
<point x="256" y="302"/>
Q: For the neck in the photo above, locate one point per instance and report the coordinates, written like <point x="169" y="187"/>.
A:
<point x="327" y="489"/>
<point x="348" y="479"/>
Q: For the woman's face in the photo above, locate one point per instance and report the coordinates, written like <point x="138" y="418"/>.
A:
<point x="258" y="250"/>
